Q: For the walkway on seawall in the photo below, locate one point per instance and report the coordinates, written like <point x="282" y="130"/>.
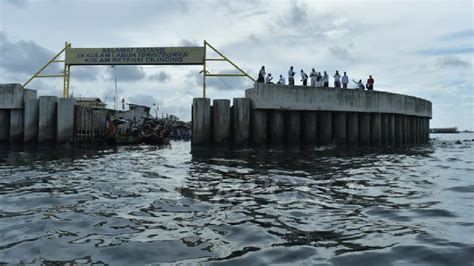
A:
<point x="296" y="117"/>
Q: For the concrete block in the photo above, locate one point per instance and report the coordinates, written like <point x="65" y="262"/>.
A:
<point x="277" y="128"/>
<point x="310" y="129"/>
<point x="221" y="121"/>
<point x="376" y="129"/>
<point x="47" y="118"/>
<point x="391" y="130"/>
<point x="30" y="119"/>
<point x="16" y="125"/>
<point x="352" y="129"/>
<point x="325" y="128"/>
<point x="201" y="121"/>
<point x="385" y="126"/>
<point x="259" y="127"/>
<point x="65" y="120"/>
<point x="293" y="129"/>
<point x="4" y="125"/>
<point x="11" y="96"/>
<point x="29" y="95"/>
<point x="364" y="129"/>
<point x="241" y="120"/>
<point x="340" y="131"/>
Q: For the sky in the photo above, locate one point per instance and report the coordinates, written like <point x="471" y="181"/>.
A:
<point x="420" y="48"/>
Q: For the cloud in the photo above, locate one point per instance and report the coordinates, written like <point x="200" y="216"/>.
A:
<point x="295" y="16"/>
<point x="143" y="99"/>
<point x="87" y="73"/>
<point x="340" y="52"/>
<point x="126" y="73"/>
<point x="160" y="77"/>
<point x="464" y="34"/>
<point x="17" y="3"/>
<point x="446" y="51"/>
<point x="220" y="83"/>
<point x="185" y="42"/>
<point x="453" y="62"/>
<point x="24" y="57"/>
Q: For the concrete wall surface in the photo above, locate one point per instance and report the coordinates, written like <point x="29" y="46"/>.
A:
<point x="47" y="118"/>
<point x="274" y="96"/>
<point x="65" y="120"/>
<point x="11" y="96"/>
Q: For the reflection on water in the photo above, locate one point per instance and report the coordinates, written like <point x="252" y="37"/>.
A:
<point x="142" y="204"/>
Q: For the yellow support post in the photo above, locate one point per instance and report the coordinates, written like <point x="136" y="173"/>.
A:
<point x="67" y="69"/>
<point x="204" y="73"/>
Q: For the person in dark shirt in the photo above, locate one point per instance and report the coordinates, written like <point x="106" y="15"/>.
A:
<point x="261" y="75"/>
<point x="370" y="83"/>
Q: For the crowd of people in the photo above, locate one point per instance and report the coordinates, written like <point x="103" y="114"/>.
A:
<point x="316" y="79"/>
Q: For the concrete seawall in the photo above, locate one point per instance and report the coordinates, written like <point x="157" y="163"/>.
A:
<point x="304" y="117"/>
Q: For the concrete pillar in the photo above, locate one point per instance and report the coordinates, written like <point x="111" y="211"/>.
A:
<point x="427" y="130"/>
<point x="293" y="129"/>
<point x="412" y="121"/>
<point x="376" y="129"/>
<point x="398" y="131"/>
<point x="310" y="129"/>
<point x="364" y="129"/>
<point x="65" y="120"/>
<point x="30" y="116"/>
<point x="422" y="130"/>
<point x="4" y="125"/>
<point x="277" y="128"/>
<point x="259" y="127"/>
<point x="325" y="128"/>
<point x="417" y="130"/>
<point x="385" y="121"/>
<point x="16" y="125"/>
<point x="391" y="130"/>
<point x="47" y="118"/>
<point x="241" y="120"/>
<point x="352" y="128"/>
<point x="404" y="132"/>
<point x="221" y="121"/>
<point x="406" y="124"/>
<point x="340" y="132"/>
<point x="11" y="96"/>
<point x="201" y="121"/>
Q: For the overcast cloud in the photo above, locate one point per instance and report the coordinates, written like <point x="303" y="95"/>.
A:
<point x="422" y="48"/>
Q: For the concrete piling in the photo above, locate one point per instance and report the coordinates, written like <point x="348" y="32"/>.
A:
<point x="391" y="130"/>
<point x="364" y="129"/>
<point x="277" y="126"/>
<point x="221" y="121"/>
<point x="376" y="129"/>
<point x="310" y="129"/>
<point x="4" y="125"/>
<point x="293" y="129"/>
<point x="16" y="125"/>
<point x="65" y="120"/>
<point x="352" y="129"/>
<point x="398" y="131"/>
<point x="412" y="130"/>
<point x="325" y="128"/>
<point x="201" y="124"/>
<point x="385" y="126"/>
<point x="30" y="119"/>
<point x="241" y="119"/>
<point x="340" y="132"/>
<point x="259" y="127"/>
<point x="47" y="118"/>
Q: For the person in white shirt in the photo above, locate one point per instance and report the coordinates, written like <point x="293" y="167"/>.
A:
<point x="261" y="75"/>
<point x="337" y="80"/>
<point x="325" y="79"/>
<point x="319" y="80"/>
<point x="269" y="78"/>
<point x="281" y="81"/>
<point x="304" y="78"/>
<point x="313" y="75"/>
<point x="291" y="76"/>
<point x="345" y="80"/>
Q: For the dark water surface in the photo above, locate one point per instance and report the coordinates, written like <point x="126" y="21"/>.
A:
<point x="140" y="204"/>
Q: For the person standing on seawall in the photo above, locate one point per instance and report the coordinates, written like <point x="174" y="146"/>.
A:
<point x="304" y="78"/>
<point x="344" y="80"/>
<point x="291" y="77"/>
<point x="337" y="80"/>
<point x="370" y="83"/>
<point x="313" y="75"/>
<point x="261" y="75"/>
<point x="325" y="79"/>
